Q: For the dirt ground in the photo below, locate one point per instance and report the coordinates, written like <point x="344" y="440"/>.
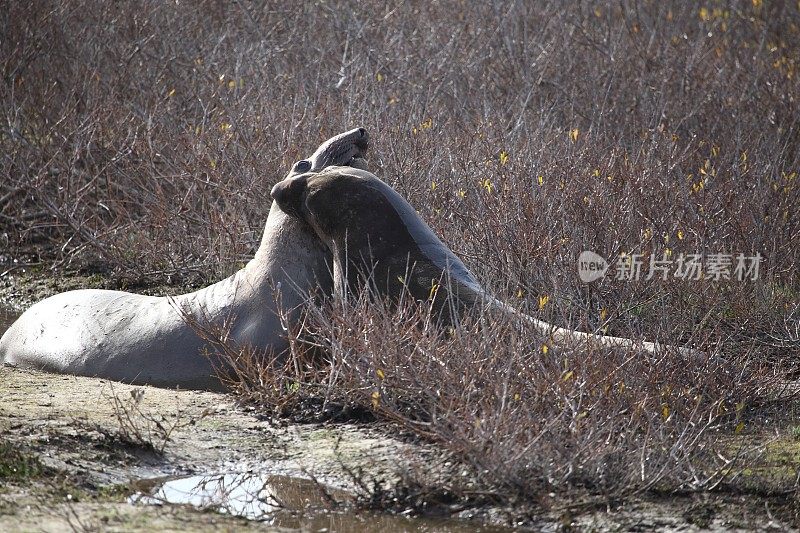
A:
<point x="69" y="423"/>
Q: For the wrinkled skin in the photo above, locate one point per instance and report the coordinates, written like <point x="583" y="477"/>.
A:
<point x="374" y="234"/>
<point x="148" y="340"/>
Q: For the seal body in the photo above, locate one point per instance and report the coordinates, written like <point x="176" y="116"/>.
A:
<point x="378" y="239"/>
<point x="146" y="339"/>
<point x="151" y="340"/>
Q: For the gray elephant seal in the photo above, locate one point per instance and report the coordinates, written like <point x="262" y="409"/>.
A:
<point x="376" y="237"/>
<point x="148" y="340"/>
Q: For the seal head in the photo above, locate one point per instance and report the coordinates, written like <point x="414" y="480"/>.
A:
<point x="376" y="237"/>
<point x="345" y="149"/>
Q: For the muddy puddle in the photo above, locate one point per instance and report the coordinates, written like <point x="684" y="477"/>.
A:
<point x="285" y="502"/>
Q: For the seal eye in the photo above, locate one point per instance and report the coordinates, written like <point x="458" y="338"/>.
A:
<point x="304" y="165"/>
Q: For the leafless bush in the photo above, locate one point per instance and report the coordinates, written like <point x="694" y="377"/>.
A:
<point x="147" y="144"/>
<point x="143" y="137"/>
<point x="525" y="419"/>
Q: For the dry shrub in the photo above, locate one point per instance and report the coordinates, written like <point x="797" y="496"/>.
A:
<point x="530" y="422"/>
<point x="143" y="137"/>
<point x="524" y="421"/>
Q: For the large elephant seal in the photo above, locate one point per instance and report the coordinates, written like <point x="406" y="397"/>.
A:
<point x="148" y="340"/>
<point x="377" y="238"/>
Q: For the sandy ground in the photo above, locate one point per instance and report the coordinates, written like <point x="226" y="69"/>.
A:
<point x="70" y="423"/>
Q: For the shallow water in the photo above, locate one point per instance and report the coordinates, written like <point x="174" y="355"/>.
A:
<point x="286" y="502"/>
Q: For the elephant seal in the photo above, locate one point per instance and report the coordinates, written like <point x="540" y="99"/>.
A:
<point x="377" y="238"/>
<point x="141" y="339"/>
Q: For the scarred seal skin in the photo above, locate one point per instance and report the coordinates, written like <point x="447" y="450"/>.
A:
<point x="141" y="339"/>
<point x="377" y="238"/>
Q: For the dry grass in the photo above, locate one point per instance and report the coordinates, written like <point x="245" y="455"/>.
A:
<point x="142" y="138"/>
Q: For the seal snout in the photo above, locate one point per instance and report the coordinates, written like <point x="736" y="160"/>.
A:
<point x="288" y="194"/>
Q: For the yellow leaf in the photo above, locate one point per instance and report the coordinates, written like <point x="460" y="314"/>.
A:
<point x="434" y="290"/>
<point x="739" y="428"/>
<point x="543" y="301"/>
<point x="433" y="185"/>
<point x="665" y="411"/>
<point x="231" y="84"/>
<point x="573" y="134"/>
<point x="603" y="314"/>
<point x="520" y="293"/>
<point x="462" y="193"/>
<point x="545" y="349"/>
<point x="171" y="92"/>
<point x="503" y="157"/>
<point x="704" y="15"/>
<point x="379" y="373"/>
<point x="540" y="179"/>
<point x="680" y="234"/>
<point x="376" y="399"/>
<point x="568" y="376"/>
<point x="516" y="396"/>
<point x="486" y="184"/>
<point x="379" y="77"/>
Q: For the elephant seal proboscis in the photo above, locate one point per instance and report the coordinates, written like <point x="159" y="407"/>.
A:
<point x="377" y="237"/>
<point x="141" y="339"/>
